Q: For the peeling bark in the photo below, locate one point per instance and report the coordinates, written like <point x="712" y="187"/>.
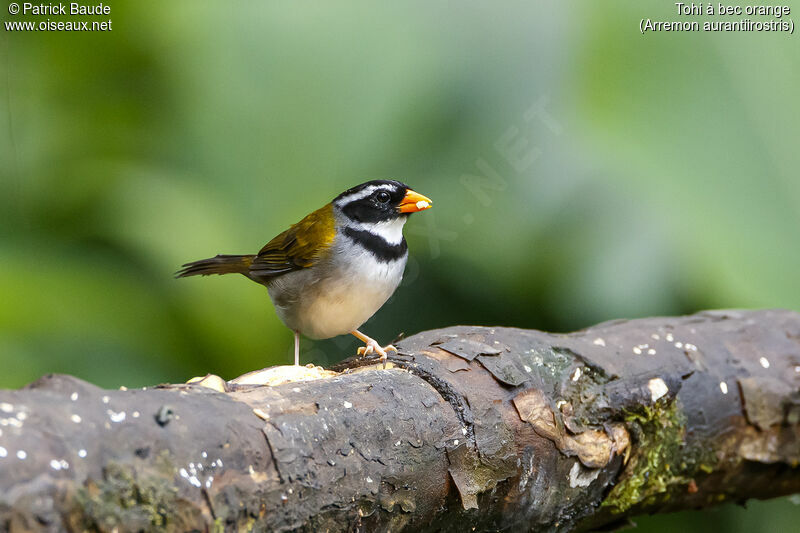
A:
<point x="469" y="427"/>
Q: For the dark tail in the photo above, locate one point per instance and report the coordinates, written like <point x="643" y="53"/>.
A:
<point x="221" y="264"/>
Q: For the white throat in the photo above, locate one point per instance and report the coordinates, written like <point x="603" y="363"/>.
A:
<point x="390" y="230"/>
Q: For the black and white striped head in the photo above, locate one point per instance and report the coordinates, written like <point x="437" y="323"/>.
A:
<point x="380" y="201"/>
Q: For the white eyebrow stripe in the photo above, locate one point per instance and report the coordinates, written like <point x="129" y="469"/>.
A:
<point x="363" y="193"/>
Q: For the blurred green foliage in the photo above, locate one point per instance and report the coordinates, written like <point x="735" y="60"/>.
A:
<point x="661" y="176"/>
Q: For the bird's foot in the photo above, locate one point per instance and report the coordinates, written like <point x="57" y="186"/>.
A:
<point x="372" y="346"/>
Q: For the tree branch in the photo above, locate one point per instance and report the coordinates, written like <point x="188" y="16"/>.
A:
<point x="486" y="428"/>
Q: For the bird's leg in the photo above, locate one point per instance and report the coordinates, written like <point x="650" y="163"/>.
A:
<point x="373" y="346"/>
<point x="296" y="348"/>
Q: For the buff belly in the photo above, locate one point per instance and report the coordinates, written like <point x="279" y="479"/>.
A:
<point x="325" y="301"/>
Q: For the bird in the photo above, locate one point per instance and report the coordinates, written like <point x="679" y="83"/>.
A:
<point x="330" y="272"/>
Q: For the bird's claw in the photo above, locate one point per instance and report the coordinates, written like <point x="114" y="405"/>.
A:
<point x="373" y="347"/>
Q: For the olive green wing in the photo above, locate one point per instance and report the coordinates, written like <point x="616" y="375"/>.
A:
<point x="298" y="247"/>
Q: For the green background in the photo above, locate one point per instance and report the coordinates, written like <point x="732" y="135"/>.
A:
<point x="649" y="174"/>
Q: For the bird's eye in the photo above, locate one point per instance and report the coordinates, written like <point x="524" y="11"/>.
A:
<point x="383" y="197"/>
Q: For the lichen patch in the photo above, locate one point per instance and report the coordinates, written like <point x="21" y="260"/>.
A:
<point x="658" y="388"/>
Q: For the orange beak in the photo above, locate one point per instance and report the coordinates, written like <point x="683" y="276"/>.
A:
<point x="413" y="202"/>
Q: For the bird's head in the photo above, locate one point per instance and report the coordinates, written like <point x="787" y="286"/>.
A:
<point x="380" y="201"/>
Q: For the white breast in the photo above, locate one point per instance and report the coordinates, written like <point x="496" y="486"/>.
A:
<point x="336" y="298"/>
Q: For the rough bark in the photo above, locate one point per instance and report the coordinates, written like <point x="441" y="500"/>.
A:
<point x="469" y="427"/>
